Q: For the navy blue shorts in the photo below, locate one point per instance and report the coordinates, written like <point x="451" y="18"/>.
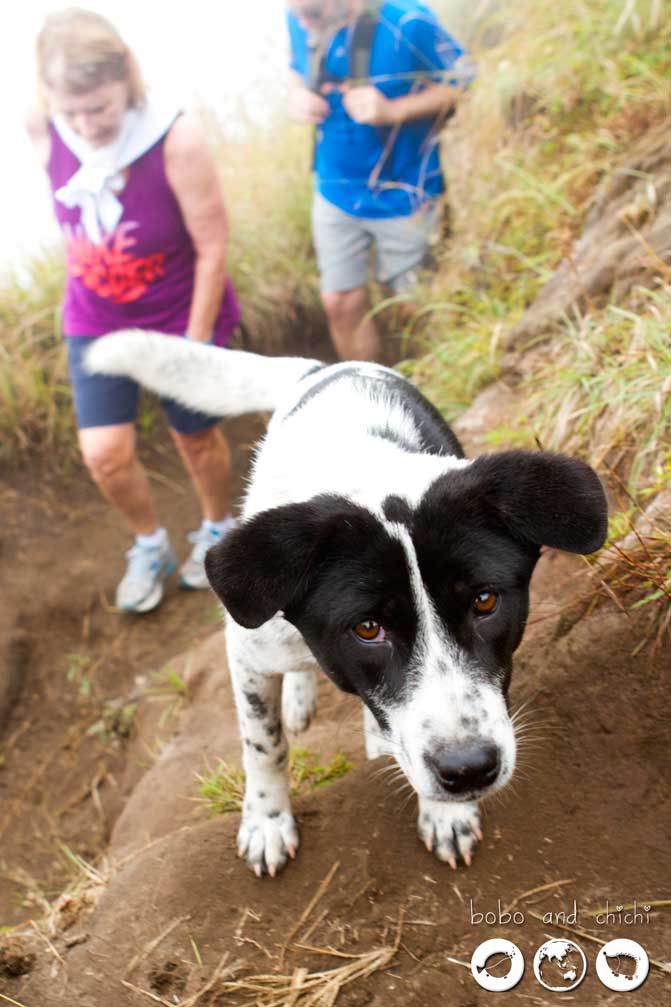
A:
<point x="102" y="401"/>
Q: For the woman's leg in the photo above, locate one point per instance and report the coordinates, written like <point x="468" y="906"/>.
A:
<point x="207" y="458"/>
<point x="109" y="455"/>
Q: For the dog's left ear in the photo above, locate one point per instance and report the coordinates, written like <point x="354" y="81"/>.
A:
<point x="546" y="499"/>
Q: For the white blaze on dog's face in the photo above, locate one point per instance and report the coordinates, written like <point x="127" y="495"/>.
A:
<point x="449" y="730"/>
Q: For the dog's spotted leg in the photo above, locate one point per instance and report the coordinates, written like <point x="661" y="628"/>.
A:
<point x="372" y="736"/>
<point x="449" y="829"/>
<point x="268" y="833"/>
<point x="299" y="700"/>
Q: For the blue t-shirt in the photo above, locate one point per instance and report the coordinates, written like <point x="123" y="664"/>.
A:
<point x="409" y="45"/>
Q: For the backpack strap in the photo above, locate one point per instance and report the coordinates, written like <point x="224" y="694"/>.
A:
<point x="317" y="46"/>
<point x="362" y="41"/>
<point x="361" y="44"/>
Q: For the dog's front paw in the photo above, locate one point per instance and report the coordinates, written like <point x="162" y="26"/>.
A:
<point x="299" y="700"/>
<point x="267" y="840"/>
<point x="449" y="830"/>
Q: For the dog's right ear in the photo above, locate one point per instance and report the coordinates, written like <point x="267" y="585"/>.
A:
<point x="260" y="567"/>
<point x="265" y="564"/>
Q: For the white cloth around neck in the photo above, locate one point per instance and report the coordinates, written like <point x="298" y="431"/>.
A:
<point x="94" y="185"/>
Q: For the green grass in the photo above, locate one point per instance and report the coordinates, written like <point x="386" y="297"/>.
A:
<point x="77" y="674"/>
<point x="167" y="682"/>
<point x="115" y="726"/>
<point x="593" y="76"/>
<point x="604" y="390"/>
<point x="35" y="410"/>
<point x="637" y="579"/>
<point x="306" y="771"/>
<point x="221" y="790"/>
<point x="268" y="188"/>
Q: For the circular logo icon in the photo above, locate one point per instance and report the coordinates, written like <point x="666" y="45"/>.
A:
<point x="609" y="964"/>
<point x="505" y="950"/>
<point x="560" y="965"/>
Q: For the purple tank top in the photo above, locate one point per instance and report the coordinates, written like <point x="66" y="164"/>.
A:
<point x="142" y="274"/>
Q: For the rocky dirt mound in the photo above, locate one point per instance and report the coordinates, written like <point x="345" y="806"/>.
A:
<point x="587" y="819"/>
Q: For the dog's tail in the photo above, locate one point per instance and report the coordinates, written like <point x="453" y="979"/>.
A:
<point x="202" y="377"/>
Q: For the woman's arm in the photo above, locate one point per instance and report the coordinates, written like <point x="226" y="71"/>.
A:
<point x="38" y="130"/>
<point x="193" y="178"/>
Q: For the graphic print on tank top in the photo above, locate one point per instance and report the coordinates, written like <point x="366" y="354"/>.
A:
<point x="109" y="268"/>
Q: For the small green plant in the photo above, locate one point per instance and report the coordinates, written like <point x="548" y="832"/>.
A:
<point x="116" y="723"/>
<point x="305" y="769"/>
<point x="221" y="790"/>
<point x="170" y="688"/>
<point x="168" y="681"/>
<point x="78" y="664"/>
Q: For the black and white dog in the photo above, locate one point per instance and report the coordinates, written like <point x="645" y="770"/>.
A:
<point x="371" y="548"/>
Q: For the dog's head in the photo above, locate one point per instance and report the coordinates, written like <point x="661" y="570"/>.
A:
<point x="419" y="609"/>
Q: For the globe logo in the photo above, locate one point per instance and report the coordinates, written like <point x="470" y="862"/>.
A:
<point x="560" y="965"/>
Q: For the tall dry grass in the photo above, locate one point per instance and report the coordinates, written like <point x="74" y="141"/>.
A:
<point x="561" y="93"/>
<point x="35" y="401"/>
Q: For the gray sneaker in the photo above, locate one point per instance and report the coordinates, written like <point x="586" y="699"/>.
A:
<point x="149" y="567"/>
<point x="192" y="571"/>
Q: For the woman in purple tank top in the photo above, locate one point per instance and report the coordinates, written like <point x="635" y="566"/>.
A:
<point x="138" y="199"/>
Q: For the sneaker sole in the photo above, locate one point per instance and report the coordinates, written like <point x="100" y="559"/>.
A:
<point x="187" y="585"/>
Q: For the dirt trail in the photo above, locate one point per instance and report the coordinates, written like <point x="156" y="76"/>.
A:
<point x="589" y="806"/>
<point x="69" y="663"/>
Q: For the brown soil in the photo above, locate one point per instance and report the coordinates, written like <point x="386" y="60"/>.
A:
<point x="589" y="806"/>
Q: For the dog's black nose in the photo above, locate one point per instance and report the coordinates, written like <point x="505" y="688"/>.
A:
<point x="464" y="768"/>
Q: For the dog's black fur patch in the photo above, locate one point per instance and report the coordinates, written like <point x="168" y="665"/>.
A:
<point x="327" y="564"/>
<point x="397" y="510"/>
<point x="437" y="436"/>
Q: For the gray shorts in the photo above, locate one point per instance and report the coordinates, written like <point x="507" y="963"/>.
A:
<point x="343" y="244"/>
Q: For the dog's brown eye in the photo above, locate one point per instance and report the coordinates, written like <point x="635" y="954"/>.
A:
<point x="485" y="602"/>
<point x="369" y="630"/>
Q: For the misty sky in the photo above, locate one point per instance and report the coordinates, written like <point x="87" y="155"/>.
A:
<point x="212" y="52"/>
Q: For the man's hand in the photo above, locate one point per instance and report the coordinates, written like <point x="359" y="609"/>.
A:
<point x="306" y="106"/>
<point x="367" y="105"/>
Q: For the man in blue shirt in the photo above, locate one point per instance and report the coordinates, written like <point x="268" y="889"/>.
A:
<point x="377" y="168"/>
